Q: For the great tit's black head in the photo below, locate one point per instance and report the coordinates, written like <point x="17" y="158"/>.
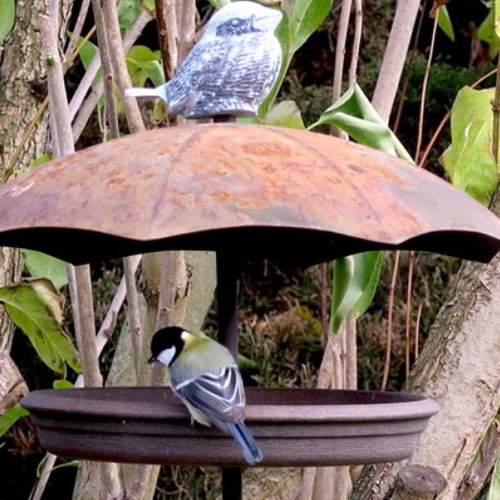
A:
<point x="166" y="345"/>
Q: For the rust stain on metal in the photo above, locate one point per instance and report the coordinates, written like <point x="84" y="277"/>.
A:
<point x="203" y="185"/>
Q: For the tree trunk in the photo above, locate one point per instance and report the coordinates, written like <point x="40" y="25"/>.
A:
<point x="459" y="368"/>
<point x="21" y="81"/>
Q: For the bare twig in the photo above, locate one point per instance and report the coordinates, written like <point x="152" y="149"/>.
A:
<point x="356" y="43"/>
<point x="409" y="294"/>
<point x="394" y="56"/>
<point x="107" y="66"/>
<point x="390" y="333"/>
<point x="132" y="112"/>
<point x="133" y="310"/>
<point x="77" y="29"/>
<point x="424" y="90"/>
<point x="496" y="116"/>
<point x="345" y="13"/>
<point x="86" y="109"/>
<point x="166" y="18"/>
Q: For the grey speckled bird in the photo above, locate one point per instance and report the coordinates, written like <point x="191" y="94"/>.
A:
<point x="231" y="70"/>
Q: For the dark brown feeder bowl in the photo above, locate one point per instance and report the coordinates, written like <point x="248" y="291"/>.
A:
<point x="294" y="427"/>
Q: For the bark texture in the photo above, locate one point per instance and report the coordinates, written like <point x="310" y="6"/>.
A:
<point x="458" y="367"/>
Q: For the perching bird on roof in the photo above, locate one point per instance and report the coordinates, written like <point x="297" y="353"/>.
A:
<point x="231" y="70"/>
<point x="204" y="374"/>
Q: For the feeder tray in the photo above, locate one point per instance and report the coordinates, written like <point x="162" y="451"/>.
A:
<point x="294" y="427"/>
<point x="262" y="192"/>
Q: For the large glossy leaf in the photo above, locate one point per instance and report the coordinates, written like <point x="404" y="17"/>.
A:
<point x="41" y="265"/>
<point x="355" y="280"/>
<point x="8" y="419"/>
<point x="468" y="160"/>
<point x="35" y="307"/>
<point x="304" y="18"/>
<point x="354" y="114"/>
<point x="7" y="18"/>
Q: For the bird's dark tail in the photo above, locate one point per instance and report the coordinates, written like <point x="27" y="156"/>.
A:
<point x="245" y="439"/>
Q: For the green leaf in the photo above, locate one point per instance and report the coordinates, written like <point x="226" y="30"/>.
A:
<point x="494" y="491"/>
<point x="63" y="384"/>
<point x="219" y="3"/>
<point x="285" y="114"/>
<point x="8" y="419"/>
<point x="304" y="18"/>
<point x="355" y="281"/>
<point x="35" y="307"/>
<point x="41" y="265"/>
<point x="486" y="33"/>
<point x="39" y="469"/>
<point x="496" y="21"/>
<point x="444" y="22"/>
<point x="88" y="52"/>
<point x="41" y="160"/>
<point x="354" y="114"/>
<point x="144" y="64"/>
<point x="7" y="18"/>
<point x="468" y="160"/>
<point x="128" y="12"/>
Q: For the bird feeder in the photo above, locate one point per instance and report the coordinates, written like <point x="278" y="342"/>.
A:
<point x="245" y="192"/>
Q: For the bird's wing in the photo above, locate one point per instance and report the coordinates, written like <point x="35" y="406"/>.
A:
<point x="218" y="395"/>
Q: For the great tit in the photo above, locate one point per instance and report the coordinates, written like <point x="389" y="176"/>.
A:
<point x="205" y="376"/>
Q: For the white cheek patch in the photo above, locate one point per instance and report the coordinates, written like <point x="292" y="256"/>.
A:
<point x="166" y="356"/>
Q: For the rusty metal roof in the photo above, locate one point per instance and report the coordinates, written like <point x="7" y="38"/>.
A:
<point x="253" y="190"/>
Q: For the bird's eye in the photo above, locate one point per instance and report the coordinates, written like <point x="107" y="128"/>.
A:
<point x="236" y="22"/>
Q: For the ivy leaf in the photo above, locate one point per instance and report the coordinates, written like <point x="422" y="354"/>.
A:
<point x="468" y="160"/>
<point x="41" y="265"/>
<point x="7" y="19"/>
<point x="35" y="307"/>
<point x="355" y="281"/>
<point x="8" y="419"/>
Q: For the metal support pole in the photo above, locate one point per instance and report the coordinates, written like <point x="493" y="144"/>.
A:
<point x="227" y="278"/>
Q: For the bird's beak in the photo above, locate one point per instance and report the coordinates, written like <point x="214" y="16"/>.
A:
<point x="152" y="359"/>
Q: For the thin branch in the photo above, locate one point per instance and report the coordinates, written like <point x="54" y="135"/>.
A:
<point x="87" y="108"/>
<point x="107" y="66"/>
<point x="424" y="90"/>
<point x="77" y="30"/>
<point x="390" y="333"/>
<point x="133" y="310"/>
<point x="356" y="43"/>
<point x="409" y="294"/>
<point x="394" y="56"/>
<point x="132" y="112"/>
<point x="496" y="115"/>
<point x="167" y="35"/>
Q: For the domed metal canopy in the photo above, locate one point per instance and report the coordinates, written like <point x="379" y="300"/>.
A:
<point x="251" y="190"/>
